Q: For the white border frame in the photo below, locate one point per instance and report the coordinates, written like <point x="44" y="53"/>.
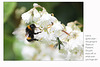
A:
<point x="91" y="26"/>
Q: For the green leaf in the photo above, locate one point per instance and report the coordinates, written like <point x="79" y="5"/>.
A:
<point x="8" y="51"/>
<point x="8" y="9"/>
<point x="49" y="6"/>
<point x="17" y="48"/>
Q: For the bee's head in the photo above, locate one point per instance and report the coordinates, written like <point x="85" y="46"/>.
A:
<point x="32" y="26"/>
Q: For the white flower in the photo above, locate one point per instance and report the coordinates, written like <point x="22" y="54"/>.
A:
<point x="73" y="26"/>
<point x="28" y="52"/>
<point x="75" y="54"/>
<point x="68" y="29"/>
<point x="20" y="32"/>
<point x="48" y="53"/>
<point x="56" y="30"/>
<point x="27" y="17"/>
<point x="36" y="15"/>
<point x="75" y="48"/>
<point x="57" y="56"/>
<point x="57" y="26"/>
<point x="44" y="37"/>
<point x="74" y="42"/>
<point x="35" y="5"/>
<point x="46" y="19"/>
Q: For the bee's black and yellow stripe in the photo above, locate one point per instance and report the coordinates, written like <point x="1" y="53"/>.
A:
<point x="29" y="27"/>
<point x="29" y="39"/>
<point x="30" y="32"/>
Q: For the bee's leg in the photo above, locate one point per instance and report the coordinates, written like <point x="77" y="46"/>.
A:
<point x="37" y="33"/>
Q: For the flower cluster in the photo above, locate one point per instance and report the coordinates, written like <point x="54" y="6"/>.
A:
<point x="56" y="41"/>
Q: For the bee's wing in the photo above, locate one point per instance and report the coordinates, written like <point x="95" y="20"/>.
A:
<point x="55" y="46"/>
<point x="64" y="42"/>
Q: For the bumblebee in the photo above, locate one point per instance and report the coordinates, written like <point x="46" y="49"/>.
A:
<point x="30" y="32"/>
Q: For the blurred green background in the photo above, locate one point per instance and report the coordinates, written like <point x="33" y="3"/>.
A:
<point x="63" y="11"/>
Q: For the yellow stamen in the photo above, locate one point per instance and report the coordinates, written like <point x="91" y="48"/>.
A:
<point x="50" y="25"/>
<point x="65" y="32"/>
